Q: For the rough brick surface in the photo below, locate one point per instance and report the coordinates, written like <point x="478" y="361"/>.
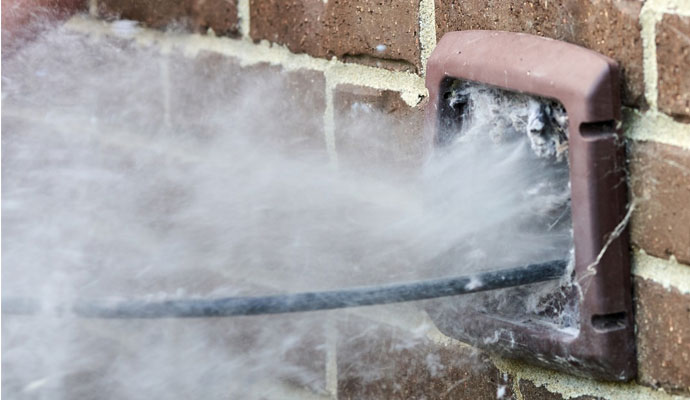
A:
<point x="154" y="13"/>
<point x="198" y="15"/>
<point x="366" y="31"/>
<point x="24" y="19"/>
<point x="17" y="13"/>
<point x="376" y="128"/>
<point x="673" y="64"/>
<point x="609" y="27"/>
<point x="663" y="336"/>
<point x="381" y="362"/>
<point x="219" y="15"/>
<point x="530" y="391"/>
<point x="279" y="108"/>
<point x="660" y="179"/>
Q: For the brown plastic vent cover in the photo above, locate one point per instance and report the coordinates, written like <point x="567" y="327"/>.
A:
<point x="586" y="84"/>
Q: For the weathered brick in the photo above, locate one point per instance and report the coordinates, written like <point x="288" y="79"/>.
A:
<point x="660" y="176"/>
<point x="533" y="392"/>
<point x="19" y="12"/>
<point x="663" y="336"/>
<point x="277" y="107"/>
<point x="219" y="15"/>
<point x="23" y="20"/>
<point x="376" y="129"/>
<point x="154" y="13"/>
<point x="198" y="15"/>
<point x="673" y="65"/>
<point x="297" y="24"/>
<point x="609" y="27"/>
<point x="381" y="362"/>
<point x="364" y="31"/>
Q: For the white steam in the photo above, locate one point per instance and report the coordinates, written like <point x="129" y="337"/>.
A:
<point x="131" y="173"/>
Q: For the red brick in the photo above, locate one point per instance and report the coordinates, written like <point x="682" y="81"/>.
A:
<point x="663" y="336"/>
<point x="18" y="13"/>
<point x="280" y="108"/>
<point x="197" y="15"/>
<point x="673" y="63"/>
<point x="153" y="13"/>
<point x="349" y="30"/>
<point x="23" y="20"/>
<point x="376" y="130"/>
<point x="609" y="27"/>
<point x="381" y="362"/>
<point x="660" y="180"/>
<point x="219" y="15"/>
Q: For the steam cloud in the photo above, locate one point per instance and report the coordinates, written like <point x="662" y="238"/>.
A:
<point x="127" y="172"/>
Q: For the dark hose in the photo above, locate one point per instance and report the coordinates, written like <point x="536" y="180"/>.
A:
<point x="307" y="301"/>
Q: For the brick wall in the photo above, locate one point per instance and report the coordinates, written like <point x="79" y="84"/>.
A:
<point x="342" y="52"/>
<point x="19" y="17"/>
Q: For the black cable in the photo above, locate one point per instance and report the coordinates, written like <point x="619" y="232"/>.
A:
<point x="309" y="301"/>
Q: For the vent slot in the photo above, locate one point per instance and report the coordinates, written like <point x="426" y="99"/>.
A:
<point x="609" y="322"/>
<point x="593" y="129"/>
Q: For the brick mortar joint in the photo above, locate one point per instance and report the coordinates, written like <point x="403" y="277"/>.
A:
<point x="243" y="14"/>
<point x="92" y="6"/>
<point x="649" y="125"/>
<point x="570" y="387"/>
<point x="331" y="358"/>
<point x="427" y="31"/>
<point x="649" y="17"/>
<point x="329" y="120"/>
<point x="410" y="85"/>
<point x="516" y="389"/>
<point x="668" y="273"/>
<point x="679" y="7"/>
<point x="655" y="127"/>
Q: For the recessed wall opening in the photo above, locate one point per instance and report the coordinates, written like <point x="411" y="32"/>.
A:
<point x="534" y="128"/>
